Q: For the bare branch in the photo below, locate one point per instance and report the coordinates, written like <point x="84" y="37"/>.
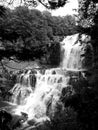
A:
<point x="49" y="4"/>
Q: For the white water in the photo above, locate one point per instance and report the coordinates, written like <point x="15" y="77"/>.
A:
<point x="75" y="52"/>
<point x="47" y="91"/>
<point x="22" y="89"/>
<point x="40" y="98"/>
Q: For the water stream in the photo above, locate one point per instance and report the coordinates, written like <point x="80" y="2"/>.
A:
<point x="38" y="92"/>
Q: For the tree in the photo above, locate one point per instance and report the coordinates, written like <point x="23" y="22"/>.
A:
<point x="28" y="31"/>
<point x="50" y="4"/>
<point x="88" y="21"/>
<point x="87" y="11"/>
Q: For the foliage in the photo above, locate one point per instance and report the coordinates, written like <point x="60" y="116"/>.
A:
<point x="50" y="4"/>
<point x="87" y="14"/>
<point x="87" y="10"/>
<point x="87" y="22"/>
<point x="26" y="33"/>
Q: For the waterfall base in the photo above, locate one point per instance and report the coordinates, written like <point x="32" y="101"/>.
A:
<point x="45" y="104"/>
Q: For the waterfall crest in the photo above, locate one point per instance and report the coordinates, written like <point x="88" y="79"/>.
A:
<point x="77" y="52"/>
<point x="38" y="92"/>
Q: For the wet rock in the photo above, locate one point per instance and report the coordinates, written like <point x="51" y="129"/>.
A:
<point x="5" y="119"/>
<point x="77" y="52"/>
<point x="31" y="122"/>
<point x="39" y="124"/>
<point x="17" y="121"/>
<point x="86" y="54"/>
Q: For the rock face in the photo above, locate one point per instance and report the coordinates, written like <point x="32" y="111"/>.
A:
<point x="77" y="52"/>
<point x="5" y="118"/>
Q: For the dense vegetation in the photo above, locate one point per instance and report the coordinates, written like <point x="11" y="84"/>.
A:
<point x="88" y="21"/>
<point x="82" y="108"/>
<point x="29" y="34"/>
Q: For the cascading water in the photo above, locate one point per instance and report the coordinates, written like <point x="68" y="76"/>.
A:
<point x="44" y="95"/>
<point x="22" y="88"/>
<point x="38" y="92"/>
<point x="77" y="52"/>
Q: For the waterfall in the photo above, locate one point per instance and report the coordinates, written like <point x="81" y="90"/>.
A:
<point x="42" y="96"/>
<point x="38" y="92"/>
<point x="77" y="52"/>
<point x="22" y="88"/>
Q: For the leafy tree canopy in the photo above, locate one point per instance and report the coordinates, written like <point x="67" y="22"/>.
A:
<point x="27" y="32"/>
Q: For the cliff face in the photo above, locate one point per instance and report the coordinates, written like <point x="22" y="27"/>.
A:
<point x="77" y="52"/>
